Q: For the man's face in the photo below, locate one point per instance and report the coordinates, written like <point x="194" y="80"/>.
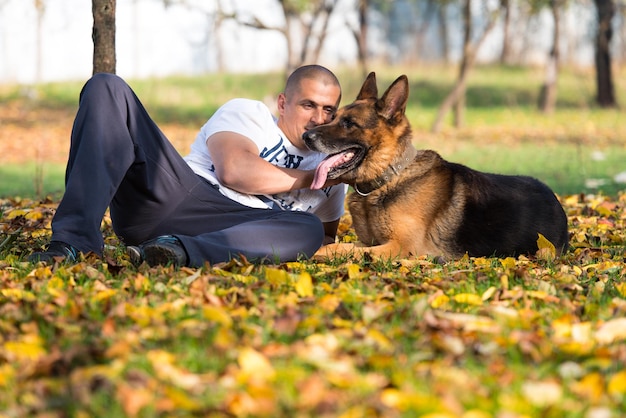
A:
<point x="315" y="103"/>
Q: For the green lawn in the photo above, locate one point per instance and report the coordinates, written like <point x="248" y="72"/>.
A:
<point x="578" y="149"/>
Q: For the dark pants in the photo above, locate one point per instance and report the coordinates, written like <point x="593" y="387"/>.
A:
<point x="120" y="159"/>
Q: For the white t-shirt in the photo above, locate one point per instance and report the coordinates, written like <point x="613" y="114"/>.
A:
<point x="254" y="120"/>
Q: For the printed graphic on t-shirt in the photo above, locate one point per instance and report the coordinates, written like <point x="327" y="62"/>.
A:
<point x="279" y="152"/>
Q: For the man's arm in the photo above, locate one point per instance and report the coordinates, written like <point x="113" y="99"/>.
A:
<point x="239" y="167"/>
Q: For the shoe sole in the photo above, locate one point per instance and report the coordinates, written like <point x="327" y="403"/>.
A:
<point x="157" y="255"/>
<point x="134" y="254"/>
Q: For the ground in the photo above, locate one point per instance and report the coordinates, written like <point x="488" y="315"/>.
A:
<point x="33" y="134"/>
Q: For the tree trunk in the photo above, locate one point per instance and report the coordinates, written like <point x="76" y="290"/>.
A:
<point x="103" y="35"/>
<point x="548" y="93"/>
<point x="604" y="77"/>
<point x="443" y="32"/>
<point x="459" y="103"/>
<point x="456" y="98"/>
<point x="41" y="9"/>
<point x="506" y="47"/>
<point x="323" y="12"/>
<point x="362" y="36"/>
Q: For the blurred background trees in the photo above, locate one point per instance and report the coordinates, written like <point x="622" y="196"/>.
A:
<point x="385" y="32"/>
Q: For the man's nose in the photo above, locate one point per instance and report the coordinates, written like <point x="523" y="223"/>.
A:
<point x="319" y="116"/>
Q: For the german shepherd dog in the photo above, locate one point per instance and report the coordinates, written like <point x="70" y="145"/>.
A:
<point x="409" y="202"/>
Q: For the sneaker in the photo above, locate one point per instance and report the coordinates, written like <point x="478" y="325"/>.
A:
<point x="163" y="250"/>
<point x="134" y="254"/>
<point x="55" y="250"/>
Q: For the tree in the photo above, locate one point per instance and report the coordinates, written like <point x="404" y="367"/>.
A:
<point x="40" y="7"/>
<point x="308" y="15"/>
<point x="506" y="28"/>
<point x="103" y="35"/>
<point x="548" y="93"/>
<point x="360" y="35"/>
<point x="604" y="77"/>
<point x="456" y="98"/>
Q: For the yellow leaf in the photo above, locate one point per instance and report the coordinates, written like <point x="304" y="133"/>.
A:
<point x="621" y="288"/>
<point x="379" y="339"/>
<point x="276" y="277"/>
<point x="393" y="398"/>
<point x="294" y="265"/>
<point x="24" y="350"/>
<point x="245" y="279"/>
<point x="15" y="213"/>
<point x="56" y="283"/>
<point x="468" y="299"/>
<point x="255" y="365"/>
<point x="354" y="272"/>
<point x="475" y="413"/>
<point x="224" y="338"/>
<point x="546" y="251"/>
<point x="304" y="285"/>
<point x="590" y="387"/>
<point x="18" y="294"/>
<point x="617" y="384"/>
<point x="38" y="233"/>
<point x="163" y="365"/>
<point x="7" y="373"/>
<point x="104" y="295"/>
<point x="488" y="293"/>
<point x="141" y="283"/>
<point x="508" y="263"/>
<point x="329" y="302"/>
<point x="217" y="314"/>
<point x="290" y="299"/>
<point x="439" y="300"/>
<point x="35" y="215"/>
<point x="482" y="262"/>
<point x="504" y="282"/>
<point x="180" y="399"/>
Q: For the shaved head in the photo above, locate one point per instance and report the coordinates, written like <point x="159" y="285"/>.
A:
<point x="310" y="72"/>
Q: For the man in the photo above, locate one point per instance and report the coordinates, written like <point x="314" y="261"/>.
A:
<point x="242" y="190"/>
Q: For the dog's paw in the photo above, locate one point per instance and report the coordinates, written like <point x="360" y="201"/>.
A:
<point x="332" y="251"/>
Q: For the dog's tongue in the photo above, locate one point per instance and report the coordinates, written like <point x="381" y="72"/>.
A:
<point x="321" y="172"/>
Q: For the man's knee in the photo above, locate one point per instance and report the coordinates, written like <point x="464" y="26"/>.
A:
<point x="102" y="82"/>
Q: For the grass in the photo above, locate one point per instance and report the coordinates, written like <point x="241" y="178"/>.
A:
<point x="532" y="336"/>
<point x="577" y="149"/>
<point x="474" y="337"/>
<point x="22" y="179"/>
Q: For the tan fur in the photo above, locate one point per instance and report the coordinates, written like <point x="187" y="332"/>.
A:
<point x="406" y="226"/>
<point x="408" y="202"/>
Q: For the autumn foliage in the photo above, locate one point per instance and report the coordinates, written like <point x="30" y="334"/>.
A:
<point x="536" y="335"/>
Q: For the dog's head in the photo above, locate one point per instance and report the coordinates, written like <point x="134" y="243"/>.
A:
<point x="365" y="137"/>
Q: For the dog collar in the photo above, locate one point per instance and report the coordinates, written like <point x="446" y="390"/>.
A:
<point x="394" y="169"/>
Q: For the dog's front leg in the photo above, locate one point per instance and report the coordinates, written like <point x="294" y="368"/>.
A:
<point x="388" y="250"/>
<point x="330" y="251"/>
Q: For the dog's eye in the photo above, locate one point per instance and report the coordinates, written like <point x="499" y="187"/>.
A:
<point x="347" y="123"/>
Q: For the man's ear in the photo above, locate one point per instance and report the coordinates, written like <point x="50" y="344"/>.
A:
<point x="280" y="102"/>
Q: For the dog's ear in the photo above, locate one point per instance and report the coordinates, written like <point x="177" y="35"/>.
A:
<point x="393" y="102"/>
<point x="369" y="89"/>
